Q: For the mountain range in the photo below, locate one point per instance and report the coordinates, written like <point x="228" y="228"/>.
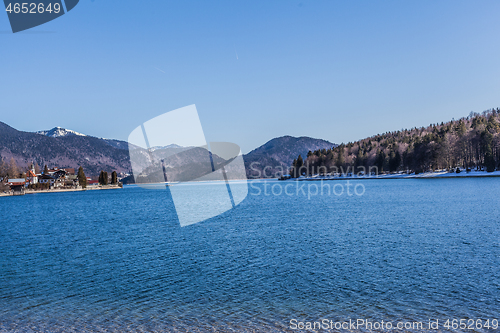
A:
<point x="66" y="148"/>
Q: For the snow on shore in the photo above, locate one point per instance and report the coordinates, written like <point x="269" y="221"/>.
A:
<point x="437" y="174"/>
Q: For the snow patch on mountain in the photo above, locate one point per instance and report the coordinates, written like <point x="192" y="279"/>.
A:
<point x="57" y="132"/>
<point x="171" y="146"/>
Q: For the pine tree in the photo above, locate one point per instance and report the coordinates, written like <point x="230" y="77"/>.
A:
<point x="81" y="178"/>
<point x="293" y="169"/>
<point x="394" y="160"/>
<point x="299" y="165"/>
<point x="103" y="178"/>
<point x="340" y="158"/>
<point x="45" y="170"/>
<point x="492" y="125"/>
<point x="380" y="160"/>
<point x="359" y="158"/>
<point x="397" y="161"/>
<point x="461" y="129"/>
<point x="489" y="162"/>
<point x="300" y="161"/>
<point x="114" y="178"/>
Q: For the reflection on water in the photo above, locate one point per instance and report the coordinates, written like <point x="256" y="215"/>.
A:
<point x="118" y="261"/>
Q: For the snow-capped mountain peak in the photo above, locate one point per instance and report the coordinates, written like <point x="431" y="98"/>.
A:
<point x="171" y="146"/>
<point x="58" y="132"/>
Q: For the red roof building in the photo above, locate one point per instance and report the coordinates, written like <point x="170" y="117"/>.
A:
<point x="17" y="186"/>
<point x="16" y="182"/>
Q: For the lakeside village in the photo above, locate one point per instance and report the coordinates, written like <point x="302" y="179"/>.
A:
<point x="13" y="182"/>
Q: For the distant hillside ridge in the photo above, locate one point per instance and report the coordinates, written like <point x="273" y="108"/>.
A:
<point x="275" y="156"/>
<point x="270" y="160"/>
<point x="63" y="148"/>
<point x="472" y="142"/>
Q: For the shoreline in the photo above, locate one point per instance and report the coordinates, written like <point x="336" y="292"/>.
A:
<point x="426" y="175"/>
<point x="106" y="187"/>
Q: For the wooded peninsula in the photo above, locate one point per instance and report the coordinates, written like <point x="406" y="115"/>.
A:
<point x="471" y="142"/>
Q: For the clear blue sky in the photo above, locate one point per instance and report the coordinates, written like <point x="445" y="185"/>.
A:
<point x="256" y="70"/>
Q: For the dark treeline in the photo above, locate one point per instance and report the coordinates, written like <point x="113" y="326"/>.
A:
<point x="472" y="142"/>
<point x="104" y="179"/>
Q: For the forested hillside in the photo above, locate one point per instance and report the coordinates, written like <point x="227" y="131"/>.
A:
<point x="467" y="143"/>
<point x="274" y="157"/>
<point x="70" y="151"/>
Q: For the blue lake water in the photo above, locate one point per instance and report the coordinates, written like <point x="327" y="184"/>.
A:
<point x="118" y="261"/>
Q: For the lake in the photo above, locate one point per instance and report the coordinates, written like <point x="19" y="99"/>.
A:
<point x="405" y="250"/>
